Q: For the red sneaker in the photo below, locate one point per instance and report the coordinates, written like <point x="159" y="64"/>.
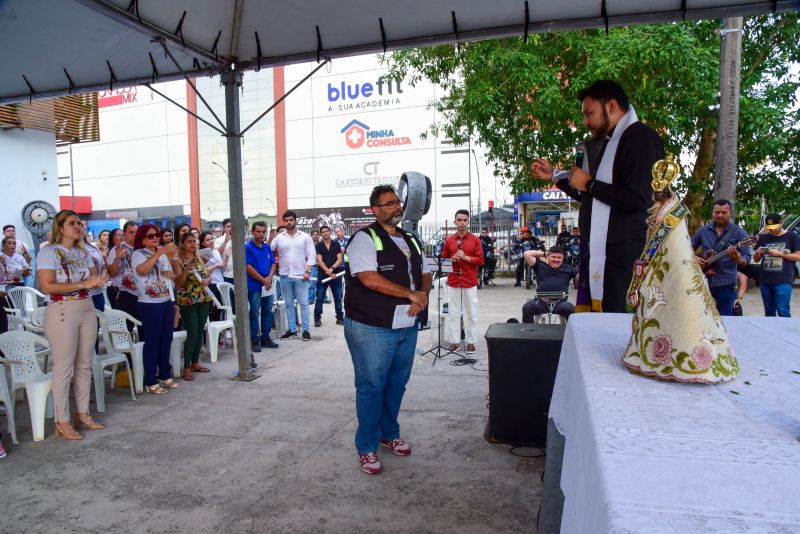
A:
<point x="398" y="446"/>
<point x="370" y="463"/>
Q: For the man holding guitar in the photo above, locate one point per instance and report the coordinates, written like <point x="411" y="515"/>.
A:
<point x="711" y="240"/>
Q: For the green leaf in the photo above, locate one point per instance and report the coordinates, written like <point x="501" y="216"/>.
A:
<point x="735" y="392"/>
<point x="518" y="100"/>
<point x="667" y="369"/>
<point x="747" y="382"/>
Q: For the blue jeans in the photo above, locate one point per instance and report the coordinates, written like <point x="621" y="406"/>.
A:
<point x="264" y="305"/>
<point x="157" y="321"/>
<point x="312" y="285"/>
<point x="336" y="289"/>
<point x="776" y="298"/>
<point x="724" y="296"/>
<point x="295" y="288"/>
<point x="382" y="360"/>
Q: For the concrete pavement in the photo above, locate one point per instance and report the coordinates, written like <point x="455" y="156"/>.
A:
<point x="277" y="454"/>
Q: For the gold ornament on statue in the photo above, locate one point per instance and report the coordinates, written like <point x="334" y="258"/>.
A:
<point x="664" y="172"/>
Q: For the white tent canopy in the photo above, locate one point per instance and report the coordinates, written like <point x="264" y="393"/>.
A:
<point x="53" y="47"/>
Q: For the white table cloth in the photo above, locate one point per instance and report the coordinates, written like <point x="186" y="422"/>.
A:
<point x="643" y="455"/>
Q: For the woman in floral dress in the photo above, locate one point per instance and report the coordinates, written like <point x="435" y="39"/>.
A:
<point x="194" y="303"/>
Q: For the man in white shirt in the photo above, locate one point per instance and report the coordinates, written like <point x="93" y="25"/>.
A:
<point x="223" y="245"/>
<point x="296" y="255"/>
<point x="10" y="230"/>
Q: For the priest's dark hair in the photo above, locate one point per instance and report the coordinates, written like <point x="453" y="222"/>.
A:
<point x="606" y="90"/>
<point x="379" y="190"/>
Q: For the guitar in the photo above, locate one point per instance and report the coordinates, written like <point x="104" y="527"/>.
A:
<point x="712" y="258"/>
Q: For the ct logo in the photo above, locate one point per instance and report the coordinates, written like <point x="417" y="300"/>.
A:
<point x="355" y="134"/>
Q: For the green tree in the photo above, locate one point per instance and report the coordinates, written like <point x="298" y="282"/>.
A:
<point x="520" y="100"/>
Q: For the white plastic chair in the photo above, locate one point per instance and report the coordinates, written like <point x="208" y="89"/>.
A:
<point x="20" y="351"/>
<point x="215" y="328"/>
<point x="120" y="340"/>
<point x="35" y="324"/>
<point x="107" y="305"/>
<point x="5" y="398"/>
<point x="36" y="320"/>
<point x="25" y="300"/>
<point x="176" y="352"/>
<point x="101" y="361"/>
<point x="225" y="291"/>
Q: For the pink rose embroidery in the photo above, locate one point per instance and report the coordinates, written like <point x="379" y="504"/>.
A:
<point x="662" y="349"/>
<point x="702" y="356"/>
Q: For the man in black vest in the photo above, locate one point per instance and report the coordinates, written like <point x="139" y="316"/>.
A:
<point x="387" y="290"/>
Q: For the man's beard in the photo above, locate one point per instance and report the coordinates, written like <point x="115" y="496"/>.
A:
<point x="604" y="128"/>
<point x="394" y="220"/>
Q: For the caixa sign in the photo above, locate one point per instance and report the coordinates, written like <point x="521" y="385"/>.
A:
<point x="115" y="97"/>
<point x="551" y="195"/>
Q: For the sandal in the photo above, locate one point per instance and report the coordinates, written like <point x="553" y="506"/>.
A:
<point x="200" y="369"/>
<point x="155" y="389"/>
<point x="187" y="375"/>
<point x="169" y="384"/>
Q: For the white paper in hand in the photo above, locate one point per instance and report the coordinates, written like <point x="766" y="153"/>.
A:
<point x="401" y="317"/>
<point x="267" y="292"/>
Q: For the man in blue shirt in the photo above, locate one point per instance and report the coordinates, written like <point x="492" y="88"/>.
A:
<point x="717" y="236"/>
<point x="260" y="291"/>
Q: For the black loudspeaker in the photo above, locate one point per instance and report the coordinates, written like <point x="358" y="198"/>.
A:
<point x="523" y="360"/>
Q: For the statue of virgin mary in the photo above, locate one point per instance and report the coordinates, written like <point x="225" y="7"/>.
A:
<point x="677" y="332"/>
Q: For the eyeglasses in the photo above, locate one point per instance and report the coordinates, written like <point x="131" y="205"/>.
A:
<point x="390" y="204"/>
<point x="152" y="236"/>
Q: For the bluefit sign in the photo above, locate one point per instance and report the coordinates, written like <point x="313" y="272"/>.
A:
<point x="346" y="96"/>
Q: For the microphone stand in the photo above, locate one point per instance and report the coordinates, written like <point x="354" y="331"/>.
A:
<point x="439" y="351"/>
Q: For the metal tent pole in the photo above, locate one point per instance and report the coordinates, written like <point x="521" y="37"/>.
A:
<point x="232" y="80"/>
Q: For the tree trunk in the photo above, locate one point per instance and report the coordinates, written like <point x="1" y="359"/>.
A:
<point x="700" y="181"/>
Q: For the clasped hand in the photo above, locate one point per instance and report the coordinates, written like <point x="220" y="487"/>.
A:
<point x="419" y="302"/>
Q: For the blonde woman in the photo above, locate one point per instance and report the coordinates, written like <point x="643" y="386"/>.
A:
<point x="67" y="274"/>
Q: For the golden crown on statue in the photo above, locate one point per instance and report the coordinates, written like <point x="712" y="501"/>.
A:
<point x="664" y="172"/>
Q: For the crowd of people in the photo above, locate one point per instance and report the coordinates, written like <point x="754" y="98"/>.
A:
<point x="169" y="279"/>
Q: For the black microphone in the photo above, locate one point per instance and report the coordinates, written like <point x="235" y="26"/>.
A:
<point x="458" y="244"/>
<point x="580" y="151"/>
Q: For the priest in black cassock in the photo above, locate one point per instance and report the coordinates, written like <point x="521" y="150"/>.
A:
<point x="615" y="190"/>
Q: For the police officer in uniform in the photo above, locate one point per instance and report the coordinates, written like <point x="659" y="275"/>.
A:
<point x="387" y="295"/>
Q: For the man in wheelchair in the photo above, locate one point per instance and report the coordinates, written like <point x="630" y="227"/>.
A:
<point x="552" y="284"/>
<point x="524" y="245"/>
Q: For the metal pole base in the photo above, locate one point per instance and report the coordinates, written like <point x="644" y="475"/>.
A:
<point x="249" y="377"/>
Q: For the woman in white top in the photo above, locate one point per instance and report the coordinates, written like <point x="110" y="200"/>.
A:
<point x="154" y="275"/>
<point x="116" y="238"/>
<point x="13" y="267"/>
<point x="215" y="266"/>
<point x="67" y="274"/>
